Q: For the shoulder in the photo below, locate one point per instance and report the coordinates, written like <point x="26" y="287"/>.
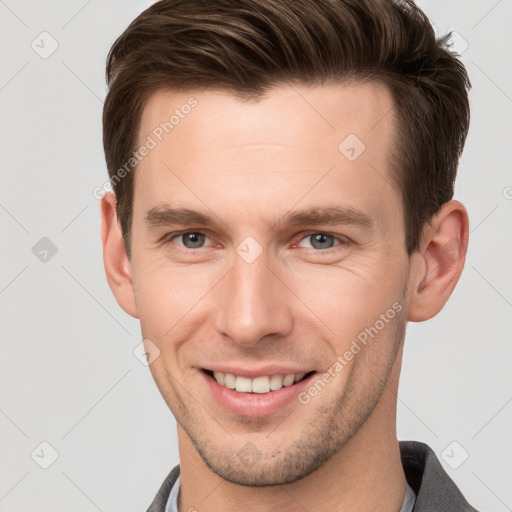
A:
<point x="434" y="489"/>
<point x="160" y="500"/>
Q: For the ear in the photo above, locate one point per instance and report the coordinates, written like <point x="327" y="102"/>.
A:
<point x="116" y="262"/>
<point x="436" y="268"/>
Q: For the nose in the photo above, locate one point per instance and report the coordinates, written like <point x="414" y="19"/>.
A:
<point x="253" y="302"/>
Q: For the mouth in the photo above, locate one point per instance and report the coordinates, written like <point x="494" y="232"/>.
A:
<point x="262" y="385"/>
<point x="255" y="393"/>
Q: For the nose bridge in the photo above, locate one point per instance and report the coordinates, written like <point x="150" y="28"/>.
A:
<point x="253" y="302"/>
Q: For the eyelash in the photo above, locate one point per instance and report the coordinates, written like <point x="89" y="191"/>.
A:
<point x="344" y="240"/>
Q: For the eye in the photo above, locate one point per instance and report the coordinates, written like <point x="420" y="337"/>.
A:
<point x="190" y="239"/>
<point x="321" y="241"/>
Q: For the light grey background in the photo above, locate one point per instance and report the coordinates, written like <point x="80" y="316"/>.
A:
<point x="68" y="375"/>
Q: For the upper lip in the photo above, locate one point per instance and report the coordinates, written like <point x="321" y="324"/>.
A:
<point x="252" y="373"/>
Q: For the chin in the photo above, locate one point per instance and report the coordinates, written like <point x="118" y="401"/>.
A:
<point x="246" y="464"/>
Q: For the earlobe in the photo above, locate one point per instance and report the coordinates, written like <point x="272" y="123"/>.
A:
<point x="439" y="263"/>
<point x="116" y="262"/>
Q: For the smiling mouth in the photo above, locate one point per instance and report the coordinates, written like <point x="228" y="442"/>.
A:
<point x="260" y="385"/>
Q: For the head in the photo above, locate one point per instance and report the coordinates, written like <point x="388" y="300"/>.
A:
<point x="283" y="174"/>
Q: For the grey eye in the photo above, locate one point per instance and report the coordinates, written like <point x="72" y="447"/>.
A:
<point x="192" y="240"/>
<point x="321" y="241"/>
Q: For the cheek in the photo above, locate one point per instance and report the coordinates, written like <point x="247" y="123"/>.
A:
<point x="169" y="301"/>
<point x="165" y="294"/>
<point x="345" y="301"/>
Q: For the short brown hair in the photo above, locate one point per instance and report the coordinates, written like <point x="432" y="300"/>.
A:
<point x="248" y="46"/>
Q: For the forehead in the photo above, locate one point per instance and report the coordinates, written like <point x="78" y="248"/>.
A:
<point x="325" y="142"/>
<point x="329" y="110"/>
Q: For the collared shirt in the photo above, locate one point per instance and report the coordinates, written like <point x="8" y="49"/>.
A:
<point x="172" y="502"/>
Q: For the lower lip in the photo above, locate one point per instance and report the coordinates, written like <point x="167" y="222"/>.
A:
<point x="254" y="404"/>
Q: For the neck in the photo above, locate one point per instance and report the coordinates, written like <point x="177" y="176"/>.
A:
<point x="366" y="474"/>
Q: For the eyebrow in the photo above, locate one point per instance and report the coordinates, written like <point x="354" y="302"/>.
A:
<point x="330" y="215"/>
<point x="167" y="216"/>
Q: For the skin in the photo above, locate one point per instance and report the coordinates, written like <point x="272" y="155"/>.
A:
<point x="248" y="163"/>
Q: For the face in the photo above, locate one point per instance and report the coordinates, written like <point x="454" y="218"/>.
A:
<point x="268" y="246"/>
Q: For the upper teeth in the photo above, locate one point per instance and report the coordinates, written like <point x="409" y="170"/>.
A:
<point x="257" y="385"/>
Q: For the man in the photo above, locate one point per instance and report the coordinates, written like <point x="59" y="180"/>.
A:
<point x="283" y="174"/>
